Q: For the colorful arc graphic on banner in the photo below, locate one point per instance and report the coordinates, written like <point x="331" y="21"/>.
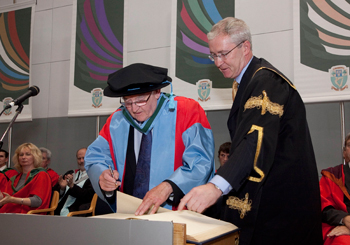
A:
<point x="194" y="20"/>
<point x="15" y="29"/>
<point x="99" y="36"/>
<point x="324" y="34"/>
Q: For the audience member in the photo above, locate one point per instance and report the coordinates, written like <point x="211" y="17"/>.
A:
<point x="167" y="138"/>
<point x="271" y="175"/>
<point x="31" y="188"/>
<point x="75" y="188"/>
<point x="4" y="158"/>
<point x="224" y="152"/>
<point x="45" y="164"/>
<point x="335" y="200"/>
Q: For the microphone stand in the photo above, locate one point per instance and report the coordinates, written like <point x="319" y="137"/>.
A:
<point x="18" y="111"/>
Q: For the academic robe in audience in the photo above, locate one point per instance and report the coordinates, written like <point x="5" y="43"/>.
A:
<point x="38" y="182"/>
<point x="10" y="172"/>
<point x="53" y="175"/>
<point x="3" y="182"/>
<point x="335" y="202"/>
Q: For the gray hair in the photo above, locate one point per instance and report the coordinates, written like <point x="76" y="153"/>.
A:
<point x="237" y="29"/>
<point x="47" y="151"/>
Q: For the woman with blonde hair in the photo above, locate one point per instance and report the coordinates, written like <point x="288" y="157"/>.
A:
<point x="30" y="189"/>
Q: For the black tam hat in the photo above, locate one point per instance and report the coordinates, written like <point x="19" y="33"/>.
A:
<point x="136" y="79"/>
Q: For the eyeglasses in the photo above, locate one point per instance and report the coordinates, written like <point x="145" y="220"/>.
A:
<point x="138" y="103"/>
<point x="212" y="57"/>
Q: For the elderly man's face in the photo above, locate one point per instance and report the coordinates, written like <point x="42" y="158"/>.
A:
<point x="231" y="65"/>
<point x="45" y="161"/>
<point x="80" y="159"/>
<point x="142" y="113"/>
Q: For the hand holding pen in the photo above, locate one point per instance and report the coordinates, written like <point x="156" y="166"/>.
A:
<point x="109" y="180"/>
<point x="117" y="183"/>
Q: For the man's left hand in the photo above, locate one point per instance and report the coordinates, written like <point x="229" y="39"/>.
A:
<point x="156" y="197"/>
<point x="200" y="198"/>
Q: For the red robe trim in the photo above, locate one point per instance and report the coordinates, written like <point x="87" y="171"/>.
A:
<point x="53" y="175"/>
<point x="3" y="182"/>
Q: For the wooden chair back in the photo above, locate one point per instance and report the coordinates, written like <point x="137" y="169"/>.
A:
<point x="53" y="205"/>
<point x="90" y="210"/>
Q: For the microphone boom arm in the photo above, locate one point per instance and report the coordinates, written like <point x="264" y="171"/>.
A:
<point x="18" y="111"/>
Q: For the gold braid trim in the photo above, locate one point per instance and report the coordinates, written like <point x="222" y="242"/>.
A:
<point x="257" y="153"/>
<point x="290" y="84"/>
<point x="263" y="102"/>
<point x="243" y="206"/>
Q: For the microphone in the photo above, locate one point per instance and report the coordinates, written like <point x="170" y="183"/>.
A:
<point x="32" y="91"/>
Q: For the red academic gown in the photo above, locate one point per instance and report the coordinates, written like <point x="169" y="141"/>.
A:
<point x="53" y="175"/>
<point x="10" y="172"/>
<point x="332" y="187"/>
<point x="38" y="182"/>
<point x="3" y="182"/>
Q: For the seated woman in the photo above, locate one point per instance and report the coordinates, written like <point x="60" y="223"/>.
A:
<point x="30" y="189"/>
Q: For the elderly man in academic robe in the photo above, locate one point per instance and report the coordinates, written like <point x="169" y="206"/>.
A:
<point x="159" y="145"/>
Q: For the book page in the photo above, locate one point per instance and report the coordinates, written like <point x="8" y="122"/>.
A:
<point x="128" y="204"/>
<point x="198" y="226"/>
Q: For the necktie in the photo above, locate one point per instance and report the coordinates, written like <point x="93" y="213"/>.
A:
<point x="141" y="182"/>
<point x="234" y="89"/>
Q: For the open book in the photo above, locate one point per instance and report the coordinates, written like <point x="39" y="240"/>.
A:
<point x="199" y="227"/>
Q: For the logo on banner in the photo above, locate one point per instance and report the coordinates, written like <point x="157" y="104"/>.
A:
<point x="339" y="76"/>
<point x="97" y="94"/>
<point x="204" y="86"/>
<point x="7" y="101"/>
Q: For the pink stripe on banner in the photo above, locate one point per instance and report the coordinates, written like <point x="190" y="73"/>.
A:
<point x="94" y="29"/>
<point x="95" y="59"/>
<point x="191" y="25"/>
<point x="195" y="46"/>
<point x="98" y="77"/>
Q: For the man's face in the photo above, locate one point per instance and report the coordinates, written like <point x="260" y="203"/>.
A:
<point x="3" y="159"/>
<point x="45" y="161"/>
<point x="231" y="65"/>
<point x="80" y="159"/>
<point x="223" y="157"/>
<point x="142" y="113"/>
<point x="346" y="152"/>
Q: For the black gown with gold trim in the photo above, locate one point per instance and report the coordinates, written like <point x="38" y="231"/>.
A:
<point x="272" y="168"/>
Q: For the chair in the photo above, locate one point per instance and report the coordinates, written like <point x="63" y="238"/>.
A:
<point x="90" y="210"/>
<point x="53" y="205"/>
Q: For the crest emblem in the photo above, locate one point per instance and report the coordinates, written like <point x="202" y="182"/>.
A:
<point x="339" y="76"/>
<point x="204" y="86"/>
<point x="96" y="95"/>
<point x="6" y="101"/>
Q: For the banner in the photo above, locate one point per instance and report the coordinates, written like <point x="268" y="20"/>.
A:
<point x="15" y="48"/>
<point x="97" y="51"/>
<point x="194" y="74"/>
<point x="322" y="50"/>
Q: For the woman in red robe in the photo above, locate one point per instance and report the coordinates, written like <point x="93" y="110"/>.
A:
<point x="30" y="189"/>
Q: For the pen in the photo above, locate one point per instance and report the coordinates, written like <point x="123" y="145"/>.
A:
<point x="110" y="169"/>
